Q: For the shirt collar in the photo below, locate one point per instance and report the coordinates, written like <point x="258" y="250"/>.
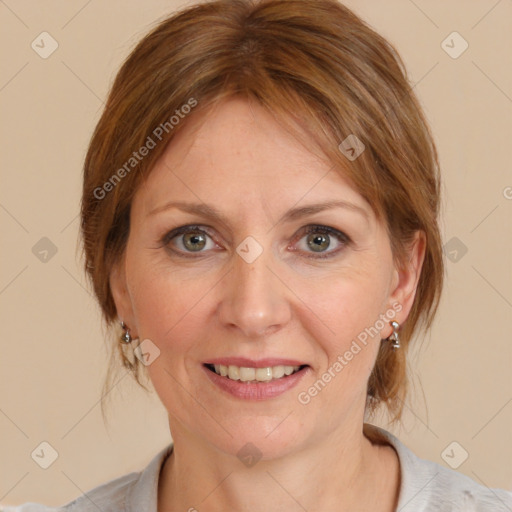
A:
<point x="417" y="476"/>
<point x="144" y="493"/>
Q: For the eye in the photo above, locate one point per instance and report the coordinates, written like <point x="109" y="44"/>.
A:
<point x="318" y="240"/>
<point x="193" y="239"/>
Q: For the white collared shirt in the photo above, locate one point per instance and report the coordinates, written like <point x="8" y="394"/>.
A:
<point x="425" y="487"/>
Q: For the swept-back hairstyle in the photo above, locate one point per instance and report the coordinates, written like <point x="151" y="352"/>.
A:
<point x="313" y="64"/>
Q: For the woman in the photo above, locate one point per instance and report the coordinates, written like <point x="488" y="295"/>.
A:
<point x="259" y="214"/>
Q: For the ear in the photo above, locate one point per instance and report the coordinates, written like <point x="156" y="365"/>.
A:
<point x="121" y="296"/>
<point x="405" y="280"/>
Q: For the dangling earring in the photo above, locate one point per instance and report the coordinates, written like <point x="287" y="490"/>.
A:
<point x="394" y="335"/>
<point x="125" y="336"/>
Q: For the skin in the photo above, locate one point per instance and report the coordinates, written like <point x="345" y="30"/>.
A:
<point x="284" y="304"/>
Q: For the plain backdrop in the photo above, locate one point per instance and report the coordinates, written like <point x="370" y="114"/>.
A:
<point x="53" y="356"/>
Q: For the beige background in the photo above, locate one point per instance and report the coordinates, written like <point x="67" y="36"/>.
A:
<point x="53" y="355"/>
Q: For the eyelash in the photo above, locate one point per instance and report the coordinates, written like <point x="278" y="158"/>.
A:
<point x="342" y="237"/>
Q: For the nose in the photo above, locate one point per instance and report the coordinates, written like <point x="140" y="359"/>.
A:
<point x="254" y="298"/>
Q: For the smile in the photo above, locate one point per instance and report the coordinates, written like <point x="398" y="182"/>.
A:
<point x="245" y="374"/>
<point x="255" y="383"/>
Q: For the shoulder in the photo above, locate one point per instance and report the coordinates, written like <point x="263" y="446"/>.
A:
<point x="131" y="492"/>
<point x="109" y="496"/>
<point x="427" y="486"/>
<point x="430" y="486"/>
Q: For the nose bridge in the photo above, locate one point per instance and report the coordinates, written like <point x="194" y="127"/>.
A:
<point x="254" y="299"/>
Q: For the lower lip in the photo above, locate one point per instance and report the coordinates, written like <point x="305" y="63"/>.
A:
<point x="256" y="390"/>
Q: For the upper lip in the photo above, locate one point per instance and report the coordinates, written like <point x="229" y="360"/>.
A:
<point x="254" y="363"/>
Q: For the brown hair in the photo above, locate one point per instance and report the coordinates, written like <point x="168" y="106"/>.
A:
<point x="311" y="63"/>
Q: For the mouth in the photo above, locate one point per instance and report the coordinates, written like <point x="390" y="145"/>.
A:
<point x="255" y="379"/>
<point x="255" y="375"/>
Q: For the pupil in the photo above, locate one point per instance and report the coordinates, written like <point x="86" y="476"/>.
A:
<point x="317" y="241"/>
<point x="195" y="239"/>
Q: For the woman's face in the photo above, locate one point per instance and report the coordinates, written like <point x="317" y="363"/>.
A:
<point x="257" y="286"/>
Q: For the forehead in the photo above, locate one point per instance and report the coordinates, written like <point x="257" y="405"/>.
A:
<point x="241" y="130"/>
<point x="238" y="151"/>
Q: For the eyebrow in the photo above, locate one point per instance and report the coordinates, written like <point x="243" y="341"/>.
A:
<point x="206" y="210"/>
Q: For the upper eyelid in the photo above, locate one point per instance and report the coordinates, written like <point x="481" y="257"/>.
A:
<point x="180" y="230"/>
<point x="206" y="228"/>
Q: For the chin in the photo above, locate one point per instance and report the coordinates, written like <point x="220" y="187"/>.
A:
<point x="262" y="438"/>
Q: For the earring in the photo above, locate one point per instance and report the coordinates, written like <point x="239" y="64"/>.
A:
<point x="125" y="336"/>
<point x="394" y="335"/>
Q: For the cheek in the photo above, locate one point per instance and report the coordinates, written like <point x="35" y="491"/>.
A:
<point x="169" y="308"/>
<point x="169" y="312"/>
<point x="353" y="302"/>
<point x="352" y="306"/>
<point x="147" y="290"/>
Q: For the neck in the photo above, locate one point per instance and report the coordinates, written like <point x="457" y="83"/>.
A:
<point x="342" y="473"/>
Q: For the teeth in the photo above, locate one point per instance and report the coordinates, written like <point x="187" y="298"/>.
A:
<point x="278" y="372"/>
<point x="263" y="374"/>
<point x="245" y="374"/>
<point x="234" y="372"/>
